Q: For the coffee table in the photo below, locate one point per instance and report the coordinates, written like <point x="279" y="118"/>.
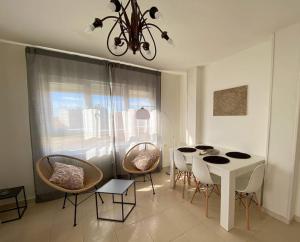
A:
<point x="13" y="193"/>
<point x="117" y="187"/>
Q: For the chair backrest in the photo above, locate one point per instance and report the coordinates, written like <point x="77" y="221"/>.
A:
<point x="127" y="164"/>
<point x="256" y="179"/>
<point x="201" y="171"/>
<point x="179" y="160"/>
<point x="44" y="168"/>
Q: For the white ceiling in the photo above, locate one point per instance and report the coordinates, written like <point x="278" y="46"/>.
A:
<point x="203" y="30"/>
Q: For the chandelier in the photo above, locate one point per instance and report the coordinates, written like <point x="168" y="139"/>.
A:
<point x="131" y="33"/>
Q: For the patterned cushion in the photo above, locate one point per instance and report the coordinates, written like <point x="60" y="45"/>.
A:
<point x="145" y="159"/>
<point x="67" y="176"/>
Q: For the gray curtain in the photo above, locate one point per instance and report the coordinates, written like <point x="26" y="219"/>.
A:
<point x="85" y="108"/>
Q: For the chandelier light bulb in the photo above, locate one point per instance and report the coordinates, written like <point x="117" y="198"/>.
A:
<point x="158" y="15"/>
<point x="89" y="29"/>
<point x="170" y="41"/>
<point x="148" y="52"/>
<point x="112" y="6"/>
<point x="115" y="5"/>
<point x="96" y="24"/>
<point x="154" y="13"/>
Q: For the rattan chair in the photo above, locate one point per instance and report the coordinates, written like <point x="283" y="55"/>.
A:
<point x="92" y="177"/>
<point x="129" y="167"/>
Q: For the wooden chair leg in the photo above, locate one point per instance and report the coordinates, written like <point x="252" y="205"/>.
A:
<point x="206" y="201"/>
<point x="258" y="202"/>
<point x="247" y="214"/>
<point x="189" y="178"/>
<point x="177" y="177"/>
<point x="218" y="190"/>
<point x="184" y="178"/>
<point x="196" y="190"/>
<point x="195" y="180"/>
<point x="240" y="200"/>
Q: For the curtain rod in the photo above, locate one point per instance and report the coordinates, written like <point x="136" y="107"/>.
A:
<point x="76" y="53"/>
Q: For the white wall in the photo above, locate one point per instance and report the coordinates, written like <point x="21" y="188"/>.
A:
<point x="254" y="68"/>
<point x="248" y="133"/>
<point x="15" y="148"/>
<point x="278" y="196"/>
<point x="192" y="80"/>
<point x="183" y="110"/>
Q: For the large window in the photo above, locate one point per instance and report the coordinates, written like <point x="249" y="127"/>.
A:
<point x="86" y="108"/>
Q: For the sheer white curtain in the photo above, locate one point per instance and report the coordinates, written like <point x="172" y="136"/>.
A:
<point x="133" y="88"/>
<point x="70" y="113"/>
<point x="86" y="108"/>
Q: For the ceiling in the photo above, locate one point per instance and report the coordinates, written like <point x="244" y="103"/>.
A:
<point x="203" y="30"/>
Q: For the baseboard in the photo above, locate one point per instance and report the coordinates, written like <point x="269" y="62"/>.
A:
<point x="277" y="216"/>
<point x="297" y="218"/>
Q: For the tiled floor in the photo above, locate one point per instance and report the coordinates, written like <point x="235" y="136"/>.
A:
<point x="162" y="217"/>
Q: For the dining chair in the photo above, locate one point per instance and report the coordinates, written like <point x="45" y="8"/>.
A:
<point x="182" y="167"/>
<point x="248" y="192"/>
<point x="205" y="181"/>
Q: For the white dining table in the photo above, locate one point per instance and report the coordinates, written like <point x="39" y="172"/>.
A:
<point x="228" y="173"/>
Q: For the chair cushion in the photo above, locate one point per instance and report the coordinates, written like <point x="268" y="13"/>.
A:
<point x="145" y="159"/>
<point x="67" y="176"/>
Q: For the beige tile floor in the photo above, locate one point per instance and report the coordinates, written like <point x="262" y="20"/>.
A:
<point x="162" y="217"/>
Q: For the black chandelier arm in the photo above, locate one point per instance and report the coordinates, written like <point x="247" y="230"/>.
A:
<point x="153" y="25"/>
<point x="118" y="19"/>
<point x="143" y="15"/>
<point x="154" y="44"/>
<point x="109" y="17"/>
<point x="127" y="22"/>
<point x="107" y="42"/>
<point x="124" y="30"/>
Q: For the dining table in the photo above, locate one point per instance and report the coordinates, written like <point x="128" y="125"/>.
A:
<point x="228" y="173"/>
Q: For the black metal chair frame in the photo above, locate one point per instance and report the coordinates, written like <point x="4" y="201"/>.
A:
<point x="75" y="203"/>
<point x="131" y="175"/>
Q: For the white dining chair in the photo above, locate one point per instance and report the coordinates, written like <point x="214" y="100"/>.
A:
<point x="182" y="167"/>
<point x="248" y="191"/>
<point x="205" y="181"/>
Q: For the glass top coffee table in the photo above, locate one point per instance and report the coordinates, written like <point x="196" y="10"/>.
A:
<point x="117" y="187"/>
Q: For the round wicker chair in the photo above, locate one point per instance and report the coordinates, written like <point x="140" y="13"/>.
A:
<point x="92" y="176"/>
<point x="129" y="167"/>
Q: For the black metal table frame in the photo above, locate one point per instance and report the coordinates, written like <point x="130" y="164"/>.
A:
<point x="18" y="207"/>
<point x="133" y="204"/>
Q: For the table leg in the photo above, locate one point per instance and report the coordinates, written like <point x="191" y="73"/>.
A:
<point x="258" y="196"/>
<point x="172" y="170"/>
<point x="227" y="201"/>
<point x="18" y="207"/>
<point x="24" y="195"/>
<point x="134" y="187"/>
<point x="122" y="201"/>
